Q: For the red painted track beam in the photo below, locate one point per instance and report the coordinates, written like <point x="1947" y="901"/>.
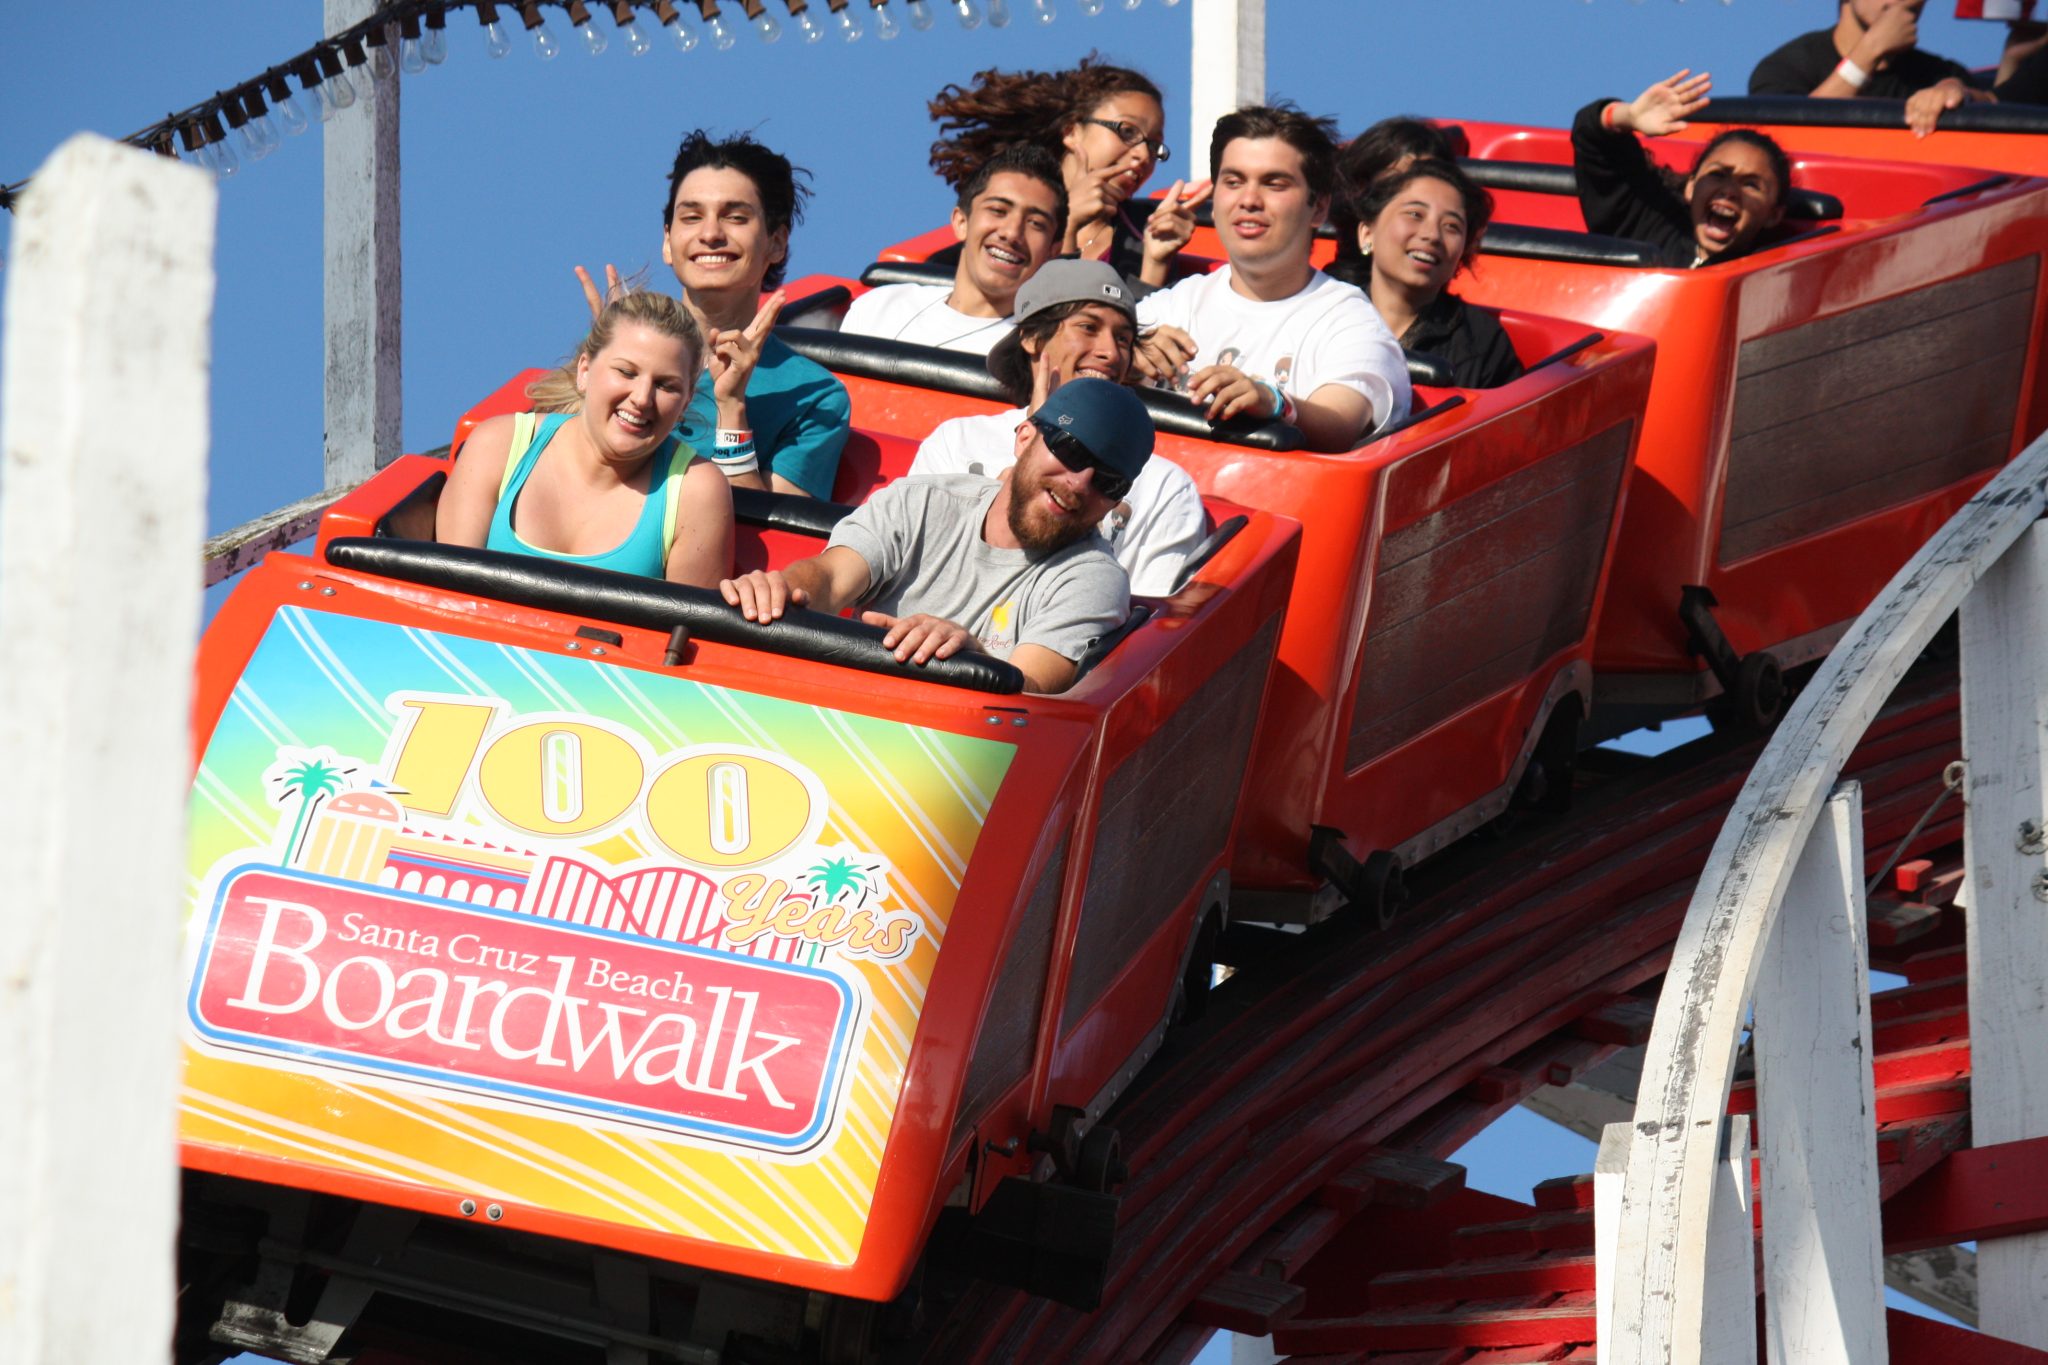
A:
<point x="1975" y="1193"/>
<point x="1460" y="1327"/>
<point x="1923" y="1339"/>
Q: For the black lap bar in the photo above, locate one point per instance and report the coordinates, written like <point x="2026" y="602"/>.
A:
<point x="1802" y="111"/>
<point x="629" y="600"/>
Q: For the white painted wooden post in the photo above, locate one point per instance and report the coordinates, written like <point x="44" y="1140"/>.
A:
<point x="362" y="300"/>
<point x="1610" y="1167"/>
<point x="1728" y="1327"/>
<point x="109" y="298"/>
<point x="1227" y="61"/>
<point x="1823" y="1248"/>
<point x="2005" y="662"/>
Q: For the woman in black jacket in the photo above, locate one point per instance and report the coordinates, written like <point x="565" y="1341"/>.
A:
<point x="1735" y="193"/>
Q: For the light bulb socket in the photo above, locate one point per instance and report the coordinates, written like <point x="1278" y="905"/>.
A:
<point x="665" y="12"/>
<point x="274" y="86"/>
<point x="754" y="8"/>
<point x="486" y="13"/>
<point x="797" y="7"/>
<point x="230" y="107"/>
<point x="191" y="138"/>
<point x="374" y="35"/>
<point x="709" y="9"/>
<point x="622" y="12"/>
<point x="210" y="125"/>
<point x="530" y="15"/>
<point x="352" y="48"/>
<point x="437" y="15"/>
<point x="409" y="27"/>
<point x="579" y="14"/>
<point x="252" y="104"/>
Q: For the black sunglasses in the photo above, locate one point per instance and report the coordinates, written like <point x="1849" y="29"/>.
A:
<point x="1069" y="450"/>
<point x="1130" y="134"/>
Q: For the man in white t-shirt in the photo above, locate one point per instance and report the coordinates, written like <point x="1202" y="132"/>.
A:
<point x="1077" y="320"/>
<point x="1269" y="335"/>
<point x="1010" y="219"/>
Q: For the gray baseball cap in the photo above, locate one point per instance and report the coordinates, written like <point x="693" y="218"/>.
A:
<point x="1056" y="282"/>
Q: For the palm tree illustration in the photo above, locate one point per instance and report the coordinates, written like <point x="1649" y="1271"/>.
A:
<point x="311" y="780"/>
<point x="836" y="876"/>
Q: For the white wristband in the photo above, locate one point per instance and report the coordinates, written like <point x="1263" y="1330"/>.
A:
<point x="1853" y="74"/>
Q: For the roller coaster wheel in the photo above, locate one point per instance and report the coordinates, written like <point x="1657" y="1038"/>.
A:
<point x="1100" y="1163"/>
<point x="1382" y="894"/>
<point x="1756" y="703"/>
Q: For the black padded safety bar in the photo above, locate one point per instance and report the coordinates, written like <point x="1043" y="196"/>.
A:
<point x="629" y="600"/>
<point x="1426" y="368"/>
<point x="1804" y="112"/>
<point x="1567" y="352"/>
<point x="1211" y="545"/>
<point x="787" y="511"/>
<point x="927" y="367"/>
<point x="1547" y="177"/>
<point x="831" y="298"/>
<point x="1561" y="244"/>
<point x="906" y="272"/>
<point x="1989" y="183"/>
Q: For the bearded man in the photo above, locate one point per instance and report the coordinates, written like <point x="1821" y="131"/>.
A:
<point x="1013" y="567"/>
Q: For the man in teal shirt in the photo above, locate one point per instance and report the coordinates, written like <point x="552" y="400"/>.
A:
<point x="764" y="414"/>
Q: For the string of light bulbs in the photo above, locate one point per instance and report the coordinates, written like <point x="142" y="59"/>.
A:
<point x="250" y="120"/>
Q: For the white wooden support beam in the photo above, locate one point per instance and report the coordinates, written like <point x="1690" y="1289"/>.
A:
<point x="2005" y="711"/>
<point x="1823" y="1246"/>
<point x="361" y="272"/>
<point x="1728" y="1329"/>
<point x="1227" y="61"/>
<point x="1610" y="1167"/>
<point x="109" y="300"/>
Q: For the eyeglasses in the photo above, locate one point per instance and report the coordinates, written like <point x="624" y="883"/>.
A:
<point x="1130" y="134"/>
<point x="1069" y="450"/>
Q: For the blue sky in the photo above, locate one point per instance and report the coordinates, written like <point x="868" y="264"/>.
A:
<point x="516" y="170"/>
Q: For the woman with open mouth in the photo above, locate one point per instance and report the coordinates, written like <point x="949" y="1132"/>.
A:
<point x="601" y="479"/>
<point x="1735" y="194"/>
<point x="1104" y="124"/>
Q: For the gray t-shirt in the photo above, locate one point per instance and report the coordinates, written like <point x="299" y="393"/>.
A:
<point x="921" y="540"/>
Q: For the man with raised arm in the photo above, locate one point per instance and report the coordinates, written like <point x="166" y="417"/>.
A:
<point x="767" y="416"/>
<point x="1873" y="52"/>
<point x="1077" y="320"/>
<point x="1010" y="218"/>
<point x="1012" y="567"/>
<point x="1269" y="335"/>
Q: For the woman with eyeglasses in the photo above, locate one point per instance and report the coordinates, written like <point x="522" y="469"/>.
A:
<point x="1103" y="122"/>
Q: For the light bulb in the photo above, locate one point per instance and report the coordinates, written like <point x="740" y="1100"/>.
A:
<point x="1091" y="8"/>
<point x="722" y="36"/>
<point x="340" y="89"/>
<point x="221" y="158"/>
<point x="411" y="59"/>
<point x="765" y="25"/>
<point x="545" y="44"/>
<point x="969" y="12"/>
<point x="593" y="41"/>
<point x="681" y="33"/>
<point x="637" y="42"/>
<point x="812" y="33"/>
<point x="1133" y="4"/>
<point x="291" y="114"/>
<point x="1042" y="11"/>
<point x="885" y="24"/>
<point x="434" y="45"/>
<point x="920" y="15"/>
<point x="998" y="13"/>
<point x="497" y="42"/>
<point x="849" y="25"/>
<point x="259" y="137"/>
<point x="381" y="67"/>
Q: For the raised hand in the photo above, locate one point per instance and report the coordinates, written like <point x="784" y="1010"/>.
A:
<point x="1173" y="222"/>
<point x="1665" y="106"/>
<point x="1161" y="355"/>
<point x="613" y="287"/>
<point x="733" y="353"/>
<point x="1094" y="195"/>
<point x="1896" y="28"/>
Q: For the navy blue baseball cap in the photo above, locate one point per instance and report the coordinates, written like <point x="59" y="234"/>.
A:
<point x="1107" y="418"/>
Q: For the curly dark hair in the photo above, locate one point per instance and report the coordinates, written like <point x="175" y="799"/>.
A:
<point x="1373" y="201"/>
<point x="1037" y="107"/>
<point x="775" y="180"/>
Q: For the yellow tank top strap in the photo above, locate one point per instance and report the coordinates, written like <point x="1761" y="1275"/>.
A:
<point x="523" y="424"/>
<point x="672" y="493"/>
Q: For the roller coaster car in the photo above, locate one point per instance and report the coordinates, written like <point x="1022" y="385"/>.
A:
<point x="1440" y="625"/>
<point x="525" y="932"/>
<point x="2008" y="138"/>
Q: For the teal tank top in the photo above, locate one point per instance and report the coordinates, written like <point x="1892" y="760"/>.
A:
<point x="645" y="549"/>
